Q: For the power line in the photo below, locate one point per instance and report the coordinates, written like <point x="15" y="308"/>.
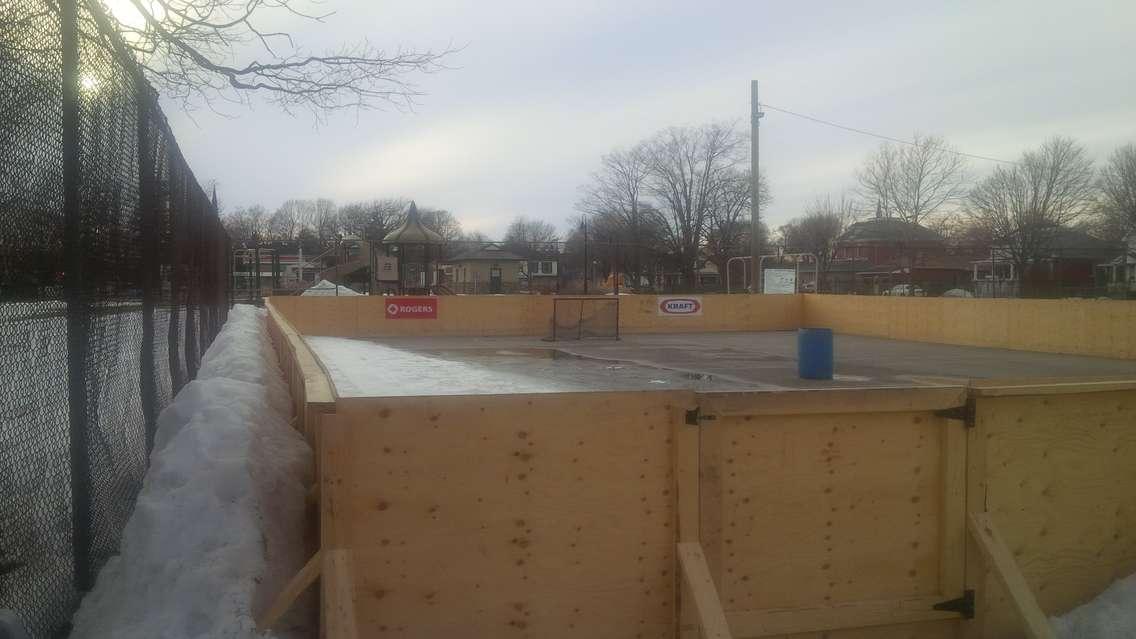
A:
<point x="877" y="135"/>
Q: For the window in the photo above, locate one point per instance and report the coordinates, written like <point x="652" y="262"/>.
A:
<point x="547" y="268"/>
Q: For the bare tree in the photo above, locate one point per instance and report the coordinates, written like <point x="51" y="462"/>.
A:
<point x="948" y="224"/>
<point x="325" y="220"/>
<point x="1022" y="207"/>
<point x="818" y="230"/>
<point x="208" y="50"/>
<point x="912" y="182"/>
<point x="473" y="238"/>
<point x="1118" y="189"/>
<point x="290" y="219"/>
<point x="246" y="223"/>
<point x="441" y="221"/>
<point x="728" y="226"/>
<point x="686" y="168"/>
<point x="527" y="236"/>
<point x="371" y="219"/>
<point x="617" y="192"/>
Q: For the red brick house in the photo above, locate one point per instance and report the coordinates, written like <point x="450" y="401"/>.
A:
<point x="888" y="251"/>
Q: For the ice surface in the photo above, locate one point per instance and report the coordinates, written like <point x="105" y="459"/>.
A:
<point x="1112" y="615"/>
<point x="218" y="525"/>
<point x="360" y="368"/>
<point x="364" y="369"/>
<point x="324" y="287"/>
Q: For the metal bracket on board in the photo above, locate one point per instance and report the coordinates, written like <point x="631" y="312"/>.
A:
<point x="964" y="605"/>
<point x="694" y="416"/>
<point x="964" y="413"/>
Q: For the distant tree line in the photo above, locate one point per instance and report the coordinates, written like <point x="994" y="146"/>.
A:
<point x="669" y="203"/>
<point x="319" y="223"/>
<point x="1020" y="206"/>
<point x="681" y="198"/>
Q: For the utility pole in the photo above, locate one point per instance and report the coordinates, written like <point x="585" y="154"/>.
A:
<point x="754" y="191"/>
<point x="585" y="254"/>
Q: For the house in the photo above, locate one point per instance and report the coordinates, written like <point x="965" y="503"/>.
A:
<point x="292" y="265"/>
<point x="1067" y="267"/>
<point x="888" y="240"/>
<point x="1119" y="274"/>
<point x="889" y="251"/>
<point x="491" y="268"/>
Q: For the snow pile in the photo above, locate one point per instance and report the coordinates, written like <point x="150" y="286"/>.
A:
<point x="219" y="524"/>
<point x="1112" y="615"/>
<point x="324" y="287"/>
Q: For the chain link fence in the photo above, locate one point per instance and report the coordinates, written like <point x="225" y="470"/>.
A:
<point x="113" y="279"/>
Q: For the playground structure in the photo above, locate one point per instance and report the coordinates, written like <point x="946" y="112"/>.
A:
<point x="932" y="511"/>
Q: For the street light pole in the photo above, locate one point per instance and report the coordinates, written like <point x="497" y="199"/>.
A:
<point x="754" y="191"/>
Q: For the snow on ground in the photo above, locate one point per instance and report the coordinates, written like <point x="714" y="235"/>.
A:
<point x="324" y="287"/>
<point x="219" y="524"/>
<point x="364" y="369"/>
<point x="1112" y="615"/>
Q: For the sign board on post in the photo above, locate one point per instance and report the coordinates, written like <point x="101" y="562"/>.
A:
<point x="412" y="308"/>
<point x="679" y="306"/>
<point x="779" y="280"/>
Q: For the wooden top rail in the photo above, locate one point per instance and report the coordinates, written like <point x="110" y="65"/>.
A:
<point x="831" y="400"/>
<point x="1007" y="388"/>
<point x="318" y="388"/>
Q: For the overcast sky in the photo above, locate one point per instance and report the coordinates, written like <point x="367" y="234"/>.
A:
<point x="541" y="90"/>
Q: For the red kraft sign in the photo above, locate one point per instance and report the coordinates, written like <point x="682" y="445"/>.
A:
<point x="412" y="307"/>
<point x="674" y="306"/>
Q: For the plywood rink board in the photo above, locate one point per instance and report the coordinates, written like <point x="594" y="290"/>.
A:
<point x="802" y="511"/>
<point x="522" y="515"/>
<point x="1061" y="487"/>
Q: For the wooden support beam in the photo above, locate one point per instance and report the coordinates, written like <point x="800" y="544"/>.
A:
<point x="994" y="548"/>
<point x="841" y="616"/>
<point x="295" y="586"/>
<point x="338" y="587"/>
<point x="710" y="614"/>
<point x="952" y="535"/>
<point x="687" y="458"/>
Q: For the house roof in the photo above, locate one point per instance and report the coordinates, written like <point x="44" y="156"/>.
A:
<point x="1071" y="243"/>
<point x="413" y="231"/>
<point x="887" y="229"/>
<point x="488" y="252"/>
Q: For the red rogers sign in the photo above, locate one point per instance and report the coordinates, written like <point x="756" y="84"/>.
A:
<point x="680" y="306"/>
<point x="411" y="307"/>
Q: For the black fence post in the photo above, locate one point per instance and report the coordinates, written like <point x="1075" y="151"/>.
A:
<point x="177" y="213"/>
<point x="148" y="203"/>
<point x="78" y="302"/>
<point x="191" y="294"/>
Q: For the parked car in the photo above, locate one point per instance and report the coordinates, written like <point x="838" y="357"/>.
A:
<point x="906" y="290"/>
<point x="958" y="292"/>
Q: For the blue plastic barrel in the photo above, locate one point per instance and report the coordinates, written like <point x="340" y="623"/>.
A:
<point x="814" y="353"/>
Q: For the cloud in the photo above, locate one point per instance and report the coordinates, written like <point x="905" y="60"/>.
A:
<point x="542" y="90"/>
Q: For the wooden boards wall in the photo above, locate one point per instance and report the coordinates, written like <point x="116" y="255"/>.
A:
<point x="498" y="315"/>
<point x="834" y="512"/>
<point x="1104" y="328"/>
<point x="640" y="314"/>
<point x="496" y="516"/>
<point x="309" y="385"/>
<point x="1061" y="486"/>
